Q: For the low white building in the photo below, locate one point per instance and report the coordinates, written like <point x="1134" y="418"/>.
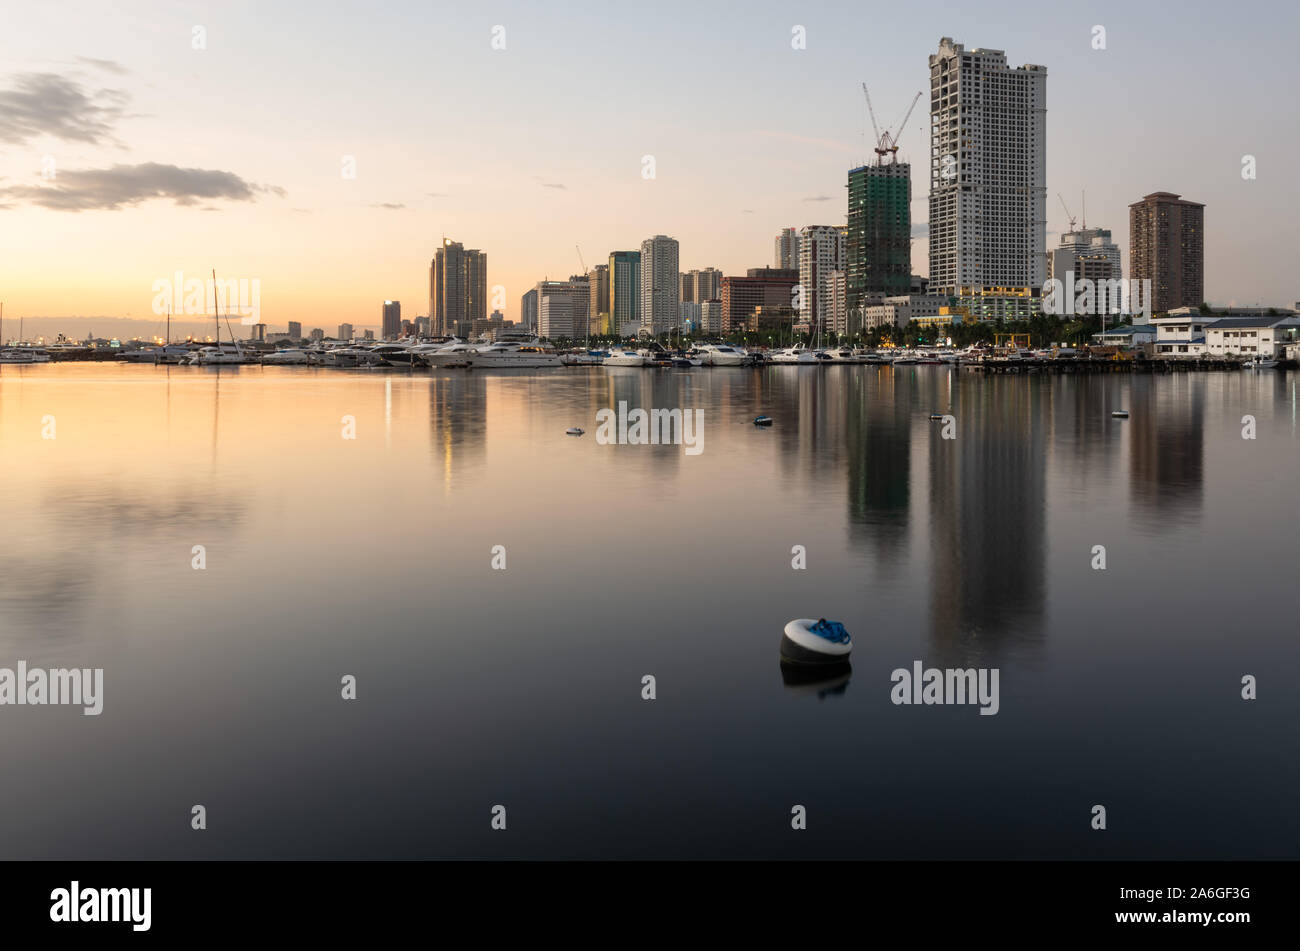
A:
<point x="1257" y="336"/>
<point x="898" y="311"/>
<point x="1181" y="334"/>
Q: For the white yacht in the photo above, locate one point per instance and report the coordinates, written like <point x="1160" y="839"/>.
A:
<point x="221" y="355"/>
<point x="452" y="353"/>
<point x="525" y="353"/>
<point x="796" y="354"/>
<point x="290" y="356"/>
<point x="24" y="355"/>
<point x="723" y="355"/>
<point x="618" y="357"/>
<point x="843" y="355"/>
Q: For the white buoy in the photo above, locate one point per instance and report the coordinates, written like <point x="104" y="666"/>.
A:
<point x="806" y="641"/>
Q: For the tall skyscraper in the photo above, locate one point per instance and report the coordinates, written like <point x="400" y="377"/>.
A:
<point x="767" y="287"/>
<point x="1093" y="243"/>
<point x="1167" y="237"/>
<point x="345" y="332"/>
<point x="988" y="189"/>
<point x="562" y="308"/>
<point x="624" y="292"/>
<point x="391" y="324"/>
<point x="701" y="285"/>
<point x="786" y="254"/>
<point x="528" y="310"/>
<point x="457" y="288"/>
<point x="295" y="330"/>
<point x="821" y="253"/>
<point x="879" y="244"/>
<point x="598" y="308"/>
<point x="660" y="284"/>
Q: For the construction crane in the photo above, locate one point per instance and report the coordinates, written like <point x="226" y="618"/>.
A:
<point x="1067" y="212"/>
<point x="887" y="142"/>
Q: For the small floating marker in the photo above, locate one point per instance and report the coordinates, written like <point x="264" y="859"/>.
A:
<point x="1120" y="414"/>
<point x="762" y="420"/>
<point x="936" y="416"/>
<point x="806" y="641"/>
<point x="573" y="431"/>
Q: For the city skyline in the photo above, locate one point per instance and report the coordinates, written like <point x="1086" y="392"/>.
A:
<point x="123" y="118"/>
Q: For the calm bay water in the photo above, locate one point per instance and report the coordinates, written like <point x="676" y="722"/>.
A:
<point x="522" y="687"/>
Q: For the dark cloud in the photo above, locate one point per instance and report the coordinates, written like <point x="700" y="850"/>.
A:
<point x="819" y="198"/>
<point x="47" y="104"/>
<point x="107" y="65"/>
<point x="390" y="205"/>
<point x="123" y="186"/>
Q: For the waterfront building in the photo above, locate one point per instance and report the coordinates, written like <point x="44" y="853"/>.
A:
<point x="821" y="253"/>
<point x="878" y="246"/>
<point x="528" y="310"/>
<point x="1091" y="244"/>
<point x="317" y="335"/>
<point x="701" y="285"/>
<point x="295" y="330"/>
<point x="786" y="256"/>
<point x="391" y="323"/>
<point x="660" y="284"/>
<point x="711" y="316"/>
<point x="562" y="308"/>
<point x="624" y="292"/>
<point x="900" y="310"/>
<point x="988" y="189"/>
<point x="345" y="332"/>
<point x="598" y="307"/>
<point x="838" y="316"/>
<point x="1167" y="237"/>
<point x="760" y="287"/>
<point x="457" y="288"/>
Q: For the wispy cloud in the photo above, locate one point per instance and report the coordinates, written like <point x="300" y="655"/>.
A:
<point x="920" y="229"/>
<point x="554" y="185"/>
<point x="47" y="104"/>
<point x="390" y="205"/>
<point x="819" y="198"/>
<point x="107" y="65"/>
<point x="123" y="186"/>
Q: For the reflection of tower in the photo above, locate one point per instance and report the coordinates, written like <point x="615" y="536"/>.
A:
<point x="1085" y="440"/>
<point x="988" y="520"/>
<point x="878" y="437"/>
<point x="1167" y="445"/>
<point x="458" y="423"/>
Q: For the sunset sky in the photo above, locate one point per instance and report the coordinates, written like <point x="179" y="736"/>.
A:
<point x="529" y="151"/>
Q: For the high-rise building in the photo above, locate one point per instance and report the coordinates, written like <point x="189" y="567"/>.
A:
<point x="786" y="254"/>
<point x="528" y="310"/>
<point x="1167" y="236"/>
<point x="317" y="335"/>
<point x="598" y="308"/>
<point x="562" y="308"/>
<point x="391" y="325"/>
<point x="765" y="287"/>
<point x="837" y="318"/>
<point x="1093" y="243"/>
<point x="624" y="292"/>
<point x="821" y="253"/>
<point x="988" y="189"/>
<point x="345" y="332"/>
<point x="701" y="285"/>
<point x="711" y="316"/>
<point x="660" y="284"/>
<point x="295" y="330"/>
<point x="878" y="249"/>
<point x="457" y="288"/>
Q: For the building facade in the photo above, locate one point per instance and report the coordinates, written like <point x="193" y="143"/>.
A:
<point x="528" y="310"/>
<point x="346" y="332"/>
<point x="878" y="248"/>
<point x="390" y="324"/>
<point x="1167" y="237"/>
<point x="457" y="288"/>
<point x="766" y="287"/>
<point x="786" y="253"/>
<point x="821" y="253"/>
<point x="988" y="190"/>
<point x="624" y="291"/>
<point x="660" y="285"/>
<point x="598" y="307"/>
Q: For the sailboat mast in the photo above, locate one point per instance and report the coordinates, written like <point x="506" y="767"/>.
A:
<point x="216" y="310"/>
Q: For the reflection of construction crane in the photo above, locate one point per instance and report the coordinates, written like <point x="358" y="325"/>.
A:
<point x="887" y="143"/>
<point x="1067" y="213"/>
